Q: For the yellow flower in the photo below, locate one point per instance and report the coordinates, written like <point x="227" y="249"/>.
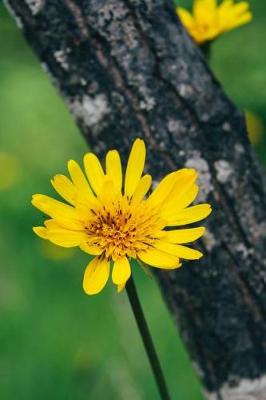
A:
<point x="115" y="222"/>
<point x="209" y="20"/>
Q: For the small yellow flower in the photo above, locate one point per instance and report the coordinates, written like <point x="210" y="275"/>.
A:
<point x="209" y="20"/>
<point x="116" y="222"/>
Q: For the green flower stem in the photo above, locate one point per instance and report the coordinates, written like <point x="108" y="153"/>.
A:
<point x="206" y="50"/>
<point x="146" y="338"/>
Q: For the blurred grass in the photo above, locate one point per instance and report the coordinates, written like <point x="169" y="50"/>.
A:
<point x="54" y="341"/>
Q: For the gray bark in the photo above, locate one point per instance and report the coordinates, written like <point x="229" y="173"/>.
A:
<point x="127" y="69"/>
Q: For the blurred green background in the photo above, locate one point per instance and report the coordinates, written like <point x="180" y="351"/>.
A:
<point x="55" y="342"/>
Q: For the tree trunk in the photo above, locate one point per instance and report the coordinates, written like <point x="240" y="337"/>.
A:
<point x="127" y="69"/>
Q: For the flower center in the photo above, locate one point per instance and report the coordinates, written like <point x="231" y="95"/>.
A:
<point x="122" y="229"/>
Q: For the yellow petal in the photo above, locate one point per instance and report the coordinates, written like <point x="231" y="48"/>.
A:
<point x="228" y="8"/>
<point x="185" y="178"/>
<point x="187" y="196"/>
<point x="114" y="169"/>
<point x="66" y="214"/>
<point x="178" y="250"/>
<point x="66" y="238"/>
<point x="40" y="231"/>
<point x="226" y="4"/>
<point x="204" y="9"/>
<point x="190" y="214"/>
<point x="52" y="224"/>
<point x="107" y="191"/>
<point x="90" y="249"/>
<point x="83" y="189"/>
<point x="241" y="20"/>
<point x="96" y="276"/>
<point x="179" y="201"/>
<point x="187" y="253"/>
<point x="171" y="184"/>
<point x="65" y="188"/>
<point x="184" y="235"/>
<point x="186" y="18"/>
<point x="163" y="189"/>
<point x="241" y="7"/>
<point x="135" y="166"/>
<point x="141" y="189"/>
<point x="121" y="271"/>
<point x="233" y="15"/>
<point x="94" y="172"/>
<point x="121" y="287"/>
<point x="159" y="259"/>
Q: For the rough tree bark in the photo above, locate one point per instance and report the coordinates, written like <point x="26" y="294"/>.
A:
<point x="126" y="68"/>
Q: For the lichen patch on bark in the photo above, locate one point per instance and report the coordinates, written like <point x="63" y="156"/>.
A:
<point x="91" y="110"/>
<point x="205" y="180"/>
<point x="35" y="5"/>
<point x="246" y="389"/>
<point x="224" y="170"/>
